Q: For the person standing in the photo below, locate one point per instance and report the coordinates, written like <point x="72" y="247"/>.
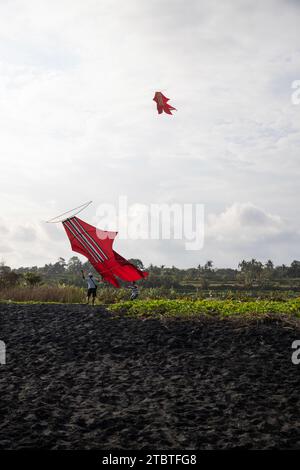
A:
<point x="91" y="287"/>
<point x="134" y="291"/>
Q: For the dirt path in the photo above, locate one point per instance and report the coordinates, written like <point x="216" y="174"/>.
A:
<point x="77" y="378"/>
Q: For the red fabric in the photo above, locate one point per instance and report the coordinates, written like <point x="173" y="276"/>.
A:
<point x="162" y="103"/>
<point x="96" y="245"/>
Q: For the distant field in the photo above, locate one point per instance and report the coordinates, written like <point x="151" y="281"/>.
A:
<point x="109" y="295"/>
<point x="162" y="303"/>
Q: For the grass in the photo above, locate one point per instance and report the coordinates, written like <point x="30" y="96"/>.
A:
<point x="43" y="294"/>
<point x="60" y="294"/>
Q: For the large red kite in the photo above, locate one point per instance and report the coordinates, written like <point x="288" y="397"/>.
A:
<point x="162" y="103"/>
<point x="96" y="245"/>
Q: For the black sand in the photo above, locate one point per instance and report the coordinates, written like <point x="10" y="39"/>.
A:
<point x="77" y="378"/>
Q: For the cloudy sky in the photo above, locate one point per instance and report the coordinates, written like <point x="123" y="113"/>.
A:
<point x="77" y="122"/>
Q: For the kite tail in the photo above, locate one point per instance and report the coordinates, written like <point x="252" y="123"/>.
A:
<point x="107" y="275"/>
<point x="111" y="279"/>
<point x="127" y="271"/>
<point x="168" y="109"/>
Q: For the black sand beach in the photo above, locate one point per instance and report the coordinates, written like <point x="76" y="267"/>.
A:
<point x="78" y="378"/>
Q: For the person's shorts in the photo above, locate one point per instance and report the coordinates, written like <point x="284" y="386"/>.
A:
<point x="134" y="296"/>
<point x="91" y="292"/>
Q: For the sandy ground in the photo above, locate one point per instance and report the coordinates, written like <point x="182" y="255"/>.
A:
<point x="78" y="378"/>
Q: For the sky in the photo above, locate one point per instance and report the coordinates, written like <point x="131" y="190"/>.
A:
<point x="77" y="123"/>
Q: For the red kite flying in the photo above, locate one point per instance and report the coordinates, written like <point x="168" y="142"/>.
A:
<point x="162" y="103"/>
<point x="96" y="245"/>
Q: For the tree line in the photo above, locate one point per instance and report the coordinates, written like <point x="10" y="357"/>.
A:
<point x="249" y="273"/>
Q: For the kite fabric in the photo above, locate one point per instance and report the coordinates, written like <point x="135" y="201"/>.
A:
<point x="162" y="103"/>
<point x="96" y="245"/>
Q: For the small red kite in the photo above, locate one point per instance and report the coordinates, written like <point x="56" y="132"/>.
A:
<point x="162" y="103"/>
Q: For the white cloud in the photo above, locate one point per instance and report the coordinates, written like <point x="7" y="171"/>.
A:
<point x="247" y="231"/>
<point x="4" y="249"/>
<point x="244" y="222"/>
<point x="3" y="230"/>
<point x="25" y="234"/>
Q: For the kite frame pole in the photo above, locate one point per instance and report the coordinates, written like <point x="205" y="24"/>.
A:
<point x="79" y="209"/>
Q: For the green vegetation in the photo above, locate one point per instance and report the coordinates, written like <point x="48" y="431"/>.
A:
<point x="188" y="308"/>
